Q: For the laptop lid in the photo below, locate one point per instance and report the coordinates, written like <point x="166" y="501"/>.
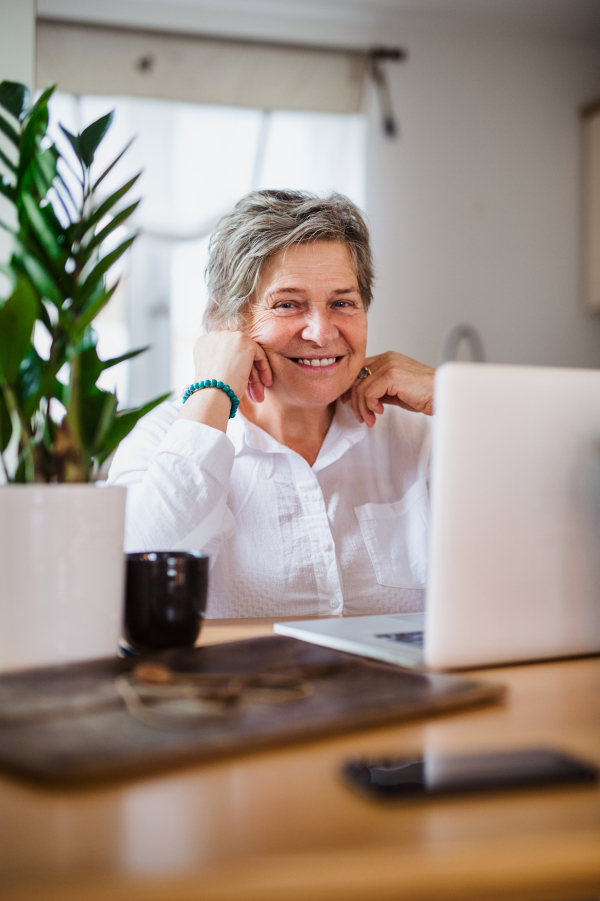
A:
<point x="514" y="571"/>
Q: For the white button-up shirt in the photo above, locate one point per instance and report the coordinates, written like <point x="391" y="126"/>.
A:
<point x="347" y="535"/>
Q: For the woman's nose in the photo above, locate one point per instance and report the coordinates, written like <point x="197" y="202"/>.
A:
<point x="320" y="328"/>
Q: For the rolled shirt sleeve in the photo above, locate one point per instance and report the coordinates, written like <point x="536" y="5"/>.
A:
<point x="177" y="475"/>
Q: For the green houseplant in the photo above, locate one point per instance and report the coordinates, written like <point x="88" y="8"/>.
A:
<point x="61" y="538"/>
<point x="58" y="271"/>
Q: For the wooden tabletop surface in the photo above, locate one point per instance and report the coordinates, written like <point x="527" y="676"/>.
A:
<point x="280" y="824"/>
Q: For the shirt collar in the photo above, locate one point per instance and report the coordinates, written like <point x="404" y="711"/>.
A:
<point x="344" y="432"/>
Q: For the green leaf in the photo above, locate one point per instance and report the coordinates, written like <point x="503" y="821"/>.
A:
<point x="8" y="162"/>
<point x="106" y="364"/>
<point x="7" y="189"/>
<point x="91" y="411"/>
<point x="9" y="131"/>
<point x="45" y="233"/>
<point x="31" y="372"/>
<point x="46" y="163"/>
<point x="8" y="272"/>
<point x="43" y="237"/>
<point x="14" y="97"/>
<point x="123" y="423"/>
<point x="74" y="140"/>
<point x="61" y="183"/>
<point x="17" y="318"/>
<point x="88" y="339"/>
<point x="96" y="303"/>
<point x="29" y="245"/>
<point x="90" y="137"/>
<point x="58" y="391"/>
<point x="42" y="101"/>
<point x="86" y="290"/>
<point x="84" y="255"/>
<point x="20" y="476"/>
<point x="6" y="428"/>
<point x="55" y="225"/>
<point x="112" y="165"/>
<point x="32" y="182"/>
<point x="41" y="279"/>
<point x="34" y="129"/>
<point x="90" y="368"/>
<point x="30" y="383"/>
<point x="104" y="423"/>
<point x="109" y="203"/>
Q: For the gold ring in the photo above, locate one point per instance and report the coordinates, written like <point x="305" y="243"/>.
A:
<point x="364" y="372"/>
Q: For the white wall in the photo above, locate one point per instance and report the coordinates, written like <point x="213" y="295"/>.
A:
<point x="17" y="57"/>
<point x="17" y="40"/>
<point x="475" y="210"/>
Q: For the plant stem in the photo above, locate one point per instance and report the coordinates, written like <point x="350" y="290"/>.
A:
<point x="24" y="438"/>
<point x="4" y="467"/>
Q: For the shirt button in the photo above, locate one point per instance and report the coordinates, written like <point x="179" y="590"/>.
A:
<point x="333" y="602"/>
<point x="325" y="546"/>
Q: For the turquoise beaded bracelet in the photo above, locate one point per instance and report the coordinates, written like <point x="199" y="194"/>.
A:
<point x="213" y="383"/>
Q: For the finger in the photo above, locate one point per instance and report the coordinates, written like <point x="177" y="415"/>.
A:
<point x="396" y="402"/>
<point x="354" y="402"/>
<point x="263" y="367"/>
<point x="375" y="389"/>
<point x="255" y="389"/>
<point x="364" y="408"/>
<point x="373" y="393"/>
<point x="374" y="405"/>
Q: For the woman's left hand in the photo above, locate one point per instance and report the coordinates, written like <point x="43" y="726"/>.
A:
<point x="395" y="379"/>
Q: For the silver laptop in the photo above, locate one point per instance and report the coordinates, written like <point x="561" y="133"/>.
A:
<point x="514" y="557"/>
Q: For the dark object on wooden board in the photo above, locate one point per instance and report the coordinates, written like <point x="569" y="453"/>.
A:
<point x="165" y="599"/>
<point x="69" y="724"/>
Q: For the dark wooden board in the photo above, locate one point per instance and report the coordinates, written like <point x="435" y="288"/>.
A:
<point x="68" y="724"/>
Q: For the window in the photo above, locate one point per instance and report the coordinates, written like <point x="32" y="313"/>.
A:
<point x="197" y="160"/>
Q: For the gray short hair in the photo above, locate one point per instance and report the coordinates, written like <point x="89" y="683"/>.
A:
<point x="264" y="223"/>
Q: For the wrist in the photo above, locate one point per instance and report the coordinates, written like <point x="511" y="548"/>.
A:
<point x="237" y="385"/>
<point x="216" y="385"/>
<point x="211" y="407"/>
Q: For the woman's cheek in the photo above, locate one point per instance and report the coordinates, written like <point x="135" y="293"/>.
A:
<point x="263" y="329"/>
<point x="271" y="335"/>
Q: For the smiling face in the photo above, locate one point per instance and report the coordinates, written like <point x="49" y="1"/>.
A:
<point x="308" y="315"/>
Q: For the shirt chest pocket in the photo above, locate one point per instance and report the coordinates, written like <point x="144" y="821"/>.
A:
<point x="396" y="538"/>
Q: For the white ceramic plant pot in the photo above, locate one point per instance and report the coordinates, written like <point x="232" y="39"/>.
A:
<point x="61" y="573"/>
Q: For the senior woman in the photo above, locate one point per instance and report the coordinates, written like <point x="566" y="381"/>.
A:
<point x="311" y="498"/>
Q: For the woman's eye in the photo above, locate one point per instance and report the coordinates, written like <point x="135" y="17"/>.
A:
<point x="285" y="306"/>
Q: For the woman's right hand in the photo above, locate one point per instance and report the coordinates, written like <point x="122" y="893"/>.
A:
<point x="234" y="359"/>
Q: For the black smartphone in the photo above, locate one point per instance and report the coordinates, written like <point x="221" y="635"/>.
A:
<point x="434" y="774"/>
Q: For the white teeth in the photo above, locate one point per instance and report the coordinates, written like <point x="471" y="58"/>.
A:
<point x="326" y="361"/>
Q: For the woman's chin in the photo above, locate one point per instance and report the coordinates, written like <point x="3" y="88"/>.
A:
<point x="308" y="388"/>
<point x="306" y="396"/>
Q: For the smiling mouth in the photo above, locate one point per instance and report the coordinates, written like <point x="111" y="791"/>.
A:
<point x="316" y="362"/>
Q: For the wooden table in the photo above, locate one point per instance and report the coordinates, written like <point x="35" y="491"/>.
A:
<point x="280" y="826"/>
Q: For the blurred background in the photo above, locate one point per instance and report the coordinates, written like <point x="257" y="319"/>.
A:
<point x="463" y="145"/>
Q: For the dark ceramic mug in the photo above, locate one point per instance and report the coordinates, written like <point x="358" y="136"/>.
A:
<point x="165" y="599"/>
